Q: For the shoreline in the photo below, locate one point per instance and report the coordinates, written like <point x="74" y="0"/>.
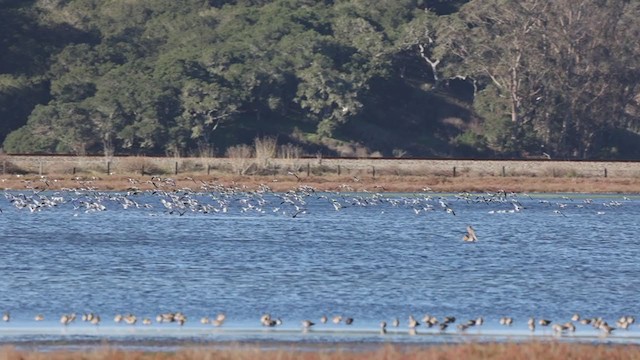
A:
<point x="529" y="350"/>
<point x="383" y="183"/>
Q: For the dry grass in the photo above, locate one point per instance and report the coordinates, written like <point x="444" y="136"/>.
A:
<point x="240" y="156"/>
<point x="141" y="165"/>
<point x="497" y="351"/>
<point x="265" y="149"/>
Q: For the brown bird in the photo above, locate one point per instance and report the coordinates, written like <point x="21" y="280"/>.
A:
<point x="470" y="236"/>
<point x="532" y="324"/>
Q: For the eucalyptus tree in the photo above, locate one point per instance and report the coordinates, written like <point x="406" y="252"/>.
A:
<point x="558" y="73"/>
<point x="590" y="57"/>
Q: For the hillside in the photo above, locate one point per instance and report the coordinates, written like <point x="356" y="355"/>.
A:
<point x="337" y="77"/>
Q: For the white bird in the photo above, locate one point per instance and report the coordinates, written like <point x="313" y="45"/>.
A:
<point x="307" y="324"/>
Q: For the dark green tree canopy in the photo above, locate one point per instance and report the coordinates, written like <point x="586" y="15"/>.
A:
<point x="419" y="77"/>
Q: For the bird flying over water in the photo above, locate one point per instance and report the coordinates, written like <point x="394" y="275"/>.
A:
<point x="470" y="236"/>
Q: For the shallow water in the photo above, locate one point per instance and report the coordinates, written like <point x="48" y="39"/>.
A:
<point x="373" y="259"/>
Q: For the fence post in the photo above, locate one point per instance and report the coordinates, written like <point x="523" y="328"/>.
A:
<point x="142" y="170"/>
<point x="208" y="169"/>
<point x="454" y="171"/>
<point x="504" y="172"/>
<point x="40" y="168"/>
<point x="338" y="169"/>
<point x="74" y="170"/>
<point x="108" y="167"/>
<point x="176" y="172"/>
<point x="308" y="169"/>
<point x="373" y="171"/>
<point x="605" y="172"/>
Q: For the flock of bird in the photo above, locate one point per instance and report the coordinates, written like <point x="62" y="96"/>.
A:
<point x="412" y="324"/>
<point x="214" y="198"/>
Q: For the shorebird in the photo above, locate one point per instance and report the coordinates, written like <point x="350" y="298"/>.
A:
<point x="429" y="320"/>
<point x="306" y="324"/>
<point x="383" y="327"/>
<point x="544" y="322"/>
<point x="622" y="323"/>
<point x="585" y="321"/>
<point x="221" y="317"/>
<point x="146" y="321"/>
<point x="118" y="318"/>
<point x="265" y="319"/>
<point x="557" y="329"/>
<point x="65" y="319"/>
<point x="180" y="318"/>
<point x="470" y="236"/>
<point x="569" y="326"/>
<point x="166" y="317"/>
<point x="324" y="319"/>
<point x="130" y="319"/>
<point x="205" y="320"/>
<point x="395" y="322"/>
<point x="6" y="317"/>
<point x="413" y="323"/>
<point x="348" y="321"/>
<point x="506" y="321"/>
<point x="337" y="319"/>
<point x="219" y="320"/>
<point x="531" y="324"/>
<point x="449" y="319"/>
<point x="95" y="320"/>
<point x="606" y="328"/>
<point x="575" y="317"/>
<point x="39" y="317"/>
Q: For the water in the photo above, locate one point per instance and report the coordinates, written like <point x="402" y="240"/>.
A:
<point x="374" y="259"/>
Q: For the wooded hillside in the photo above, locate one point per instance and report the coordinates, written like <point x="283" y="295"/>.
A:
<point x="482" y="78"/>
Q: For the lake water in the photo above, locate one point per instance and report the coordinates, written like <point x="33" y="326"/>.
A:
<point x="303" y="254"/>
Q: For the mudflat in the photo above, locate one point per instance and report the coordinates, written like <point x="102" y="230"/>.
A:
<point x="531" y="350"/>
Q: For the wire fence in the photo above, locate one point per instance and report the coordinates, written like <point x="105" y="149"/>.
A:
<point x="374" y="167"/>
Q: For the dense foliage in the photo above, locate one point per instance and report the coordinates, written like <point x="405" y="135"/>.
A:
<point x="399" y="77"/>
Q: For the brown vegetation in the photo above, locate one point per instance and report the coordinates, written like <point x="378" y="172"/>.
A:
<point x="511" y="351"/>
<point x="282" y="169"/>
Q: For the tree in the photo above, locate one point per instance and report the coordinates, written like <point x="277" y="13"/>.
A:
<point x="552" y="63"/>
<point x="590" y="58"/>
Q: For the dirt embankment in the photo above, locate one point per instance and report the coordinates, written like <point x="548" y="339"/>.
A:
<point x="529" y="350"/>
<point x="397" y="175"/>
